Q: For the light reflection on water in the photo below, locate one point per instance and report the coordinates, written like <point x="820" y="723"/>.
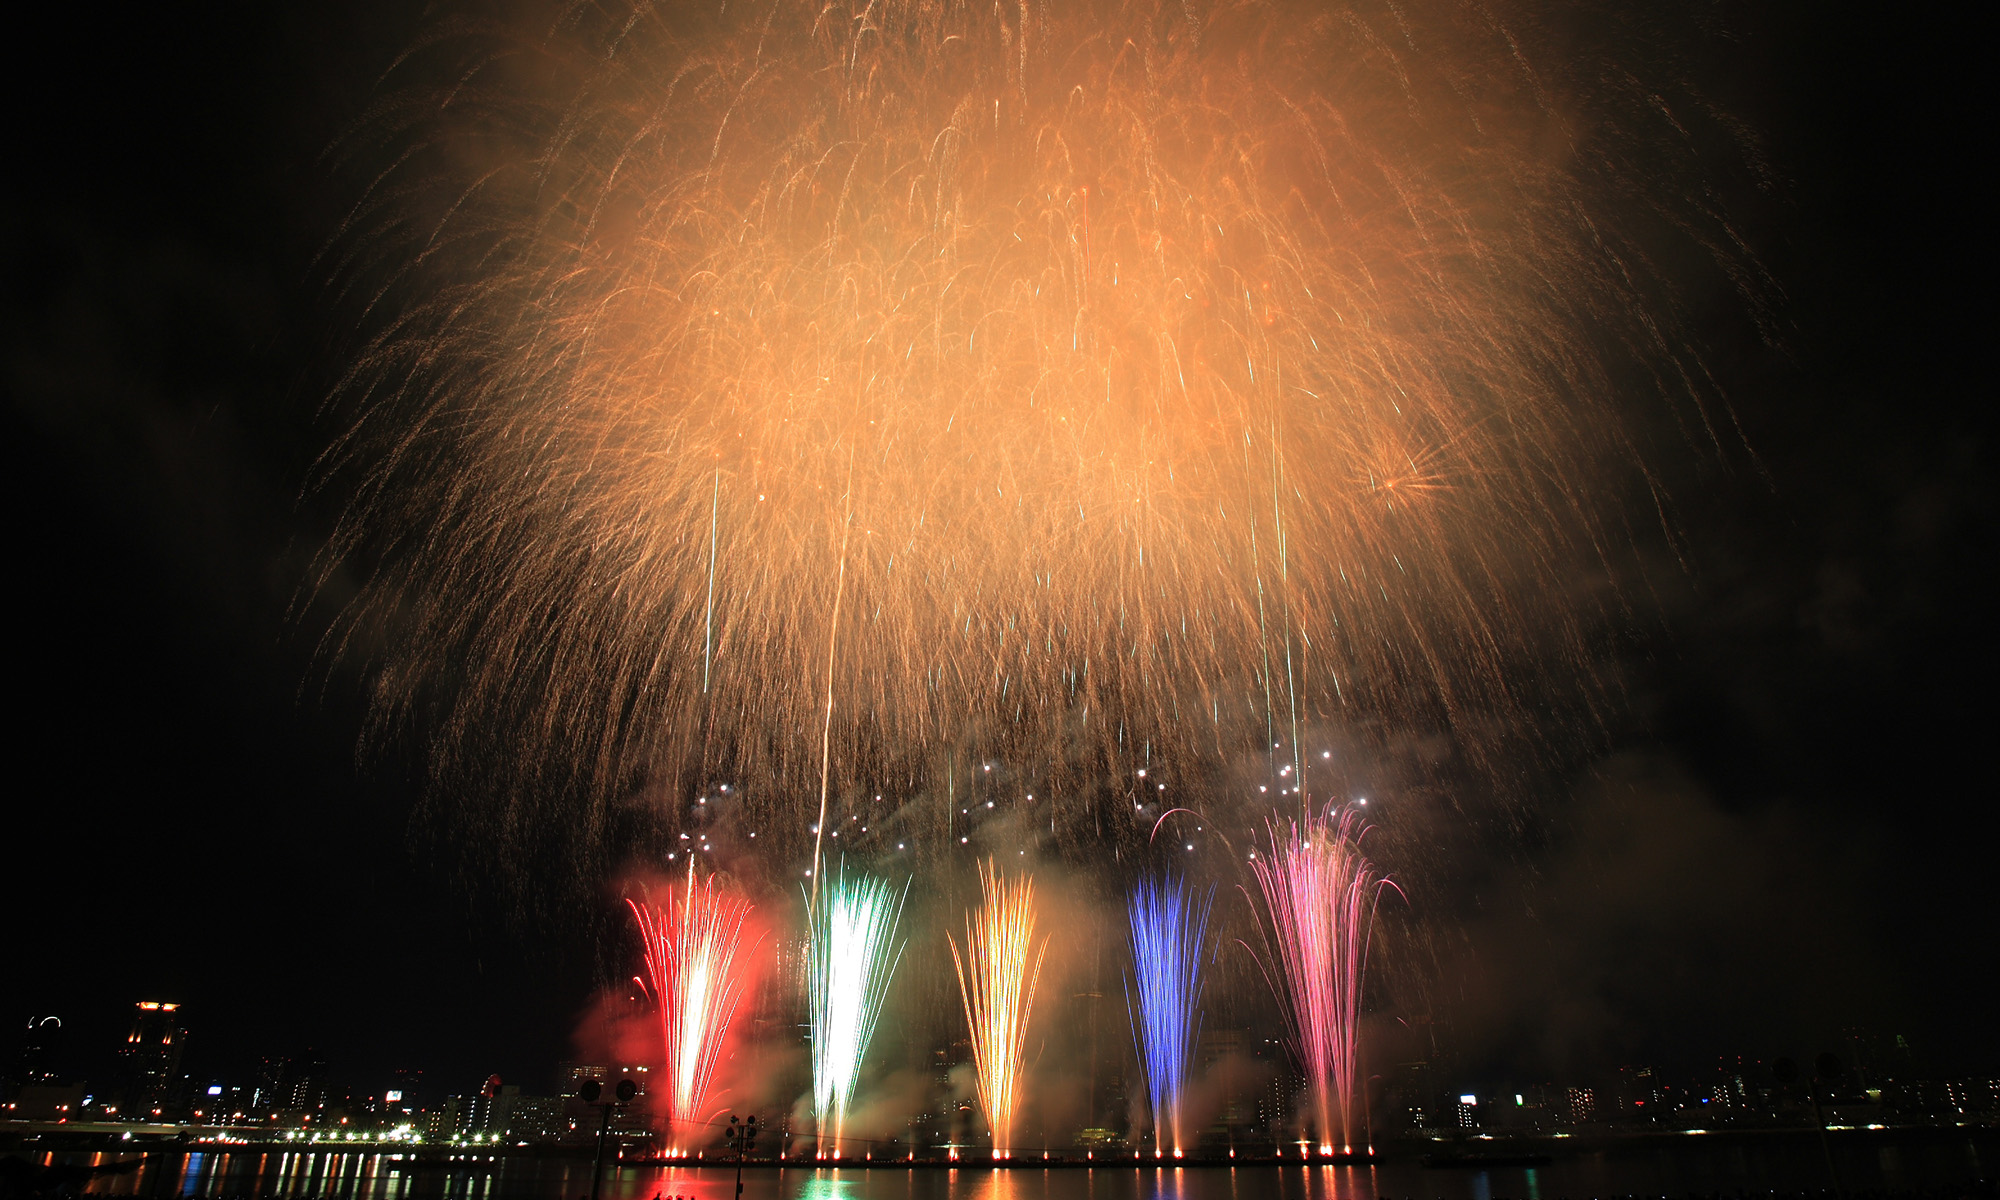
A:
<point x="1645" y="1170"/>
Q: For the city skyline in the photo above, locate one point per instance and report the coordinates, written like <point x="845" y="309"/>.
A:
<point x="1253" y="1096"/>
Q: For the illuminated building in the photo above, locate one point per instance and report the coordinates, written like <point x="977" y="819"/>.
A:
<point x="149" y="1063"/>
<point x="42" y="1046"/>
<point x="1966" y="1096"/>
<point x="1582" y="1104"/>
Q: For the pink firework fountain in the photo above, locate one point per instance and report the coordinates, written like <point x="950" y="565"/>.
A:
<point x="1320" y="892"/>
<point x="693" y="934"/>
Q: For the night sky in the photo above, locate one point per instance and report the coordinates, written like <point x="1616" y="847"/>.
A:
<point x="1799" y="800"/>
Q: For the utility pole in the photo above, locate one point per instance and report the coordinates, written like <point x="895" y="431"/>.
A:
<point x="1827" y="1067"/>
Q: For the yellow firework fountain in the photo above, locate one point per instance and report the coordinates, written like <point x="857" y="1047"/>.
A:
<point x="997" y="972"/>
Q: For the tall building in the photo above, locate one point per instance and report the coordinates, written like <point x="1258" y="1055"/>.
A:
<point x="1415" y="1093"/>
<point x="149" y="1063"/>
<point x="1218" y="1046"/>
<point x="1639" y="1095"/>
<point x="1106" y="1056"/>
<point x="498" y="1112"/>
<point x="44" y="1047"/>
<point x="574" y="1075"/>
<point x="1736" y="1081"/>
<point x="305" y="1088"/>
<point x="518" y="1118"/>
<point x="458" y="1118"/>
<point x="405" y="1093"/>
<point x="1966" y="1096"/>
<point x="272" y="1077"/>
<point x="1582" y="1104"/>
<point x="627" y="1120"/>
<point x="1277" y="1105"/>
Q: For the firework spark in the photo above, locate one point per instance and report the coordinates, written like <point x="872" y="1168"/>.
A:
<point x="852" y="958"/>
<point x="1320" y="893"/>
<point x="800" y="387"/>
<point x="692" y="941"/>
<point x="997" y="973"/>
<point x="1168" y="928"/>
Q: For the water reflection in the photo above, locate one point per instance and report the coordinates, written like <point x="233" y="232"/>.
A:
<point x="1649" y="1168"/>
<point x="1007" y="1185"/>
<point x="830" y="1189"/>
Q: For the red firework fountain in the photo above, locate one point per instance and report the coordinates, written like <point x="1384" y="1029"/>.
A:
<point x="692" y="940"/>
<point x="1321" y="894"/>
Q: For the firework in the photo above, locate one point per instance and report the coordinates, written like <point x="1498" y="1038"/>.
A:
<point x="1168" y="926"/>
<point x="853" y="955"/>
<point x="997" y="973"/>
<point x="793" y="388"/>
<point x="1320" y="893"/>
<point x="692" y="938"/>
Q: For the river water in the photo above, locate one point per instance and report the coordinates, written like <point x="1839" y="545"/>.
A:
<point x="1674" y="1168"/>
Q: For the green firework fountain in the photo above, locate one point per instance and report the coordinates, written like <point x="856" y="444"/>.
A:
<point x="853" y="956"/>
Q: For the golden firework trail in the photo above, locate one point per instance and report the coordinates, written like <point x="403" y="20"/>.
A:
<point x="997" y="972"/>
<point x="899" y="375"/>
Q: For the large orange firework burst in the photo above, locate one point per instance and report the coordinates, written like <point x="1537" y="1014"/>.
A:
<point x="798" y="389"/>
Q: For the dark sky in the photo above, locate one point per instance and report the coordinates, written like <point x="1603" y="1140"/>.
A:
<point x="1810" y="732"/>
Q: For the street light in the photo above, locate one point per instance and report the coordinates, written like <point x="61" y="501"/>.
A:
<point x="741" y="1139"/>
<point x="589" y="1093"/>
